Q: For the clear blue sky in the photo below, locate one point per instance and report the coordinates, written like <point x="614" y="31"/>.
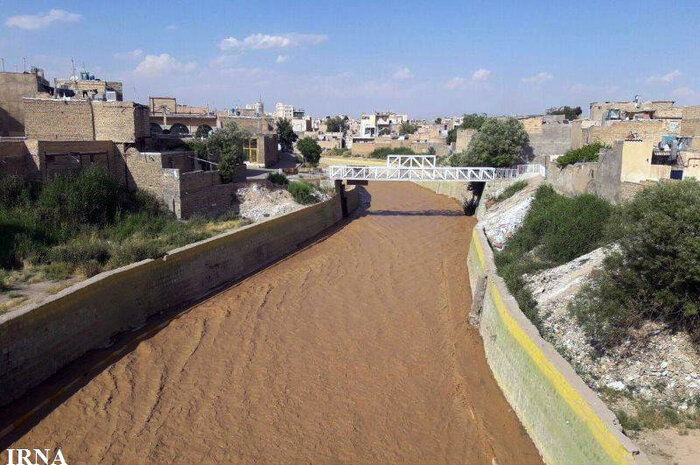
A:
<point x="421" y="58"/>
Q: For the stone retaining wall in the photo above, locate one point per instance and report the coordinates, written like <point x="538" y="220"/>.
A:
<point x="565" y="419"/>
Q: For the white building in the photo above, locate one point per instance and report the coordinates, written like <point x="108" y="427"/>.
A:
<point x="380" y="124"/>
<point x="283" y="110"/>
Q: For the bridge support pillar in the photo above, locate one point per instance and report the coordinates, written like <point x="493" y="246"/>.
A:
<point x="340" y="189"/>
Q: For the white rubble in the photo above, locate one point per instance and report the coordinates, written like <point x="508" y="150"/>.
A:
<point x="656" y="364"/>
<point x="264" y="200"/>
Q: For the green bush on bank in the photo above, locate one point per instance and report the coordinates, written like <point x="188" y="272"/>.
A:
<point x="655" y="274"/>
<point x="587" y="153"/>
<point x="301" y="192"/>
<point x="555" y="230"/>
<point x="85" y="223"/>
<point x="383" y="152"/>
<point x="511" y="190"/>
<point x="278" y="178"/>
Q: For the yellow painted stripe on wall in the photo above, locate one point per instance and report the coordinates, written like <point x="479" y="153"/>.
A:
<point x="479" y="250"/>
<point x="601" y="433"/>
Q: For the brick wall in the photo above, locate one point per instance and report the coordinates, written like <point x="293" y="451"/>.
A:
<point x="48" y="119"/>
<point x="78" y="120"/>
<point x="120" y="121"/>
<point x="650" y="130"/>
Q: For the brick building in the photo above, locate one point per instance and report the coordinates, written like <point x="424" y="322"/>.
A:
<point x="13" y="87"/>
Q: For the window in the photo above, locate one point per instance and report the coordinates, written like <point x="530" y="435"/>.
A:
<point x="250" y="149"/>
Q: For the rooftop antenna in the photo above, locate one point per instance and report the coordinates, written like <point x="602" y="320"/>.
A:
<point x="72" y="64"/>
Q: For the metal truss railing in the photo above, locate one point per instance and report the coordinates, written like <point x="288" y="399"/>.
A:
<point x="423" y="168"/>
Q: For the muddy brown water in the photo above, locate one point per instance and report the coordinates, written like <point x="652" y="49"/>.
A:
<point x="355" y="350"/>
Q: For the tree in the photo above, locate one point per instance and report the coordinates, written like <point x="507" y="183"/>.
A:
<point x="451" y="136"/>
<point x="225" y="147"/>
<point x="286" y="134"/>
<point x="337" y="124"/>
<point x="438" y="120"/>
<point x="497" y="143"/>
<point x="570" y="113"/>
<point x="472" y="121"/>
<point x="310" y="149"/>
<point x="407" y="128"/>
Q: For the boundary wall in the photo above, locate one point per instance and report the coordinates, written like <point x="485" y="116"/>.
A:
<point x="37" y="341"/>
<point x="565" y="419"/>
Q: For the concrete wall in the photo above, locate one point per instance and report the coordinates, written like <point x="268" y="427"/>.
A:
<point x="550" y="139"/>
<point x="365" y="148"/>
<point x="573" y="179"/>
<point x="39" y="340"/>
<point x="565" y="419"/>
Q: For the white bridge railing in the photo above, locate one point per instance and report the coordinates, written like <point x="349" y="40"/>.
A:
<point x="424" y="168"/>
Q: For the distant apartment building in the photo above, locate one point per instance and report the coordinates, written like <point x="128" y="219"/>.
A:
<point x="284" y="111"/>
<point x="251" y="109"/>
<point x="89" y="87"/>
<point x="380" y="124"/>
<point x="14" y="87"/>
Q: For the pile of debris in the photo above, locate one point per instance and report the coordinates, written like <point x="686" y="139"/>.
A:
<point x="654" y="364"/>
<point x="502" y="219"/>
<point x="262" y="200"/>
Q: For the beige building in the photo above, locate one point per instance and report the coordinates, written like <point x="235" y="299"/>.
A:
<point x="623" y="170"/>
<point x="619" y="111"/>
<point x="13" y="88"/>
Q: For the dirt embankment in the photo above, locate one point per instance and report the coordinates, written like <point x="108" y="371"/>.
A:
<point x="355" y="350"/>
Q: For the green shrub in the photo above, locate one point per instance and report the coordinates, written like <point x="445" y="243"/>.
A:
<point x="384" y="151"/>
<point x="4" y="281"/>
<point x="135" y="251"/>
<point x="89" y="268"/>
<point x="80" y="250"/>
<point x="278" y="178"/>
<point x="510" y="191"/>
<point x="336" y="152"/>
<point x="58" y="271"/>
<point x="561" y="228"/>
<point x="655" y="274"/>
<point x="301" y="192"/>
<point x="14" y="191"/>
<point x="89" y="198"/>
<point x="555" y="230"/>
<point x="587" y="153"/>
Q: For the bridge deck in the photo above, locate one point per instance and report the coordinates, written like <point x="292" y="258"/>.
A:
<point x="425" y="168"/>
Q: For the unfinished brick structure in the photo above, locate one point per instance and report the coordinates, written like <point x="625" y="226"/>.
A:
<point x="176" y="178"/>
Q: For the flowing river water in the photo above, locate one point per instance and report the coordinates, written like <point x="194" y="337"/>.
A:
<point x="356" y="350"/>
